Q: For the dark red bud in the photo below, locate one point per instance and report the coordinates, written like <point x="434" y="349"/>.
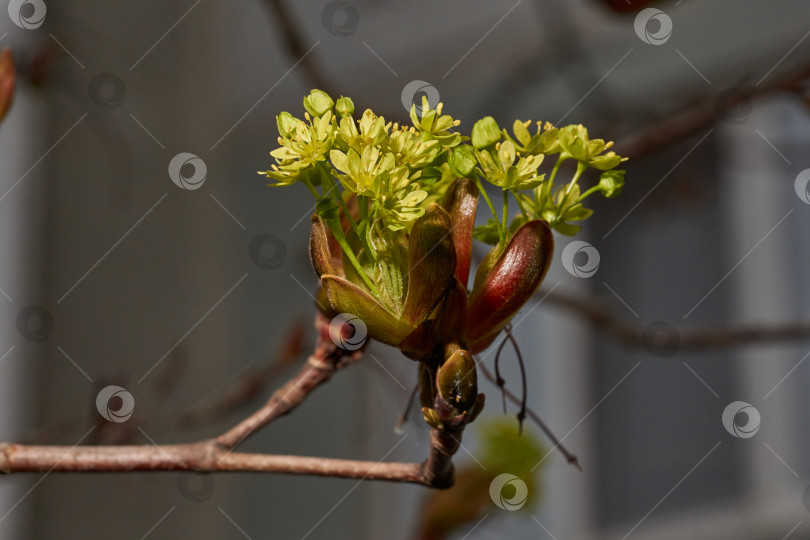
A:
<point x="510" y="282"/>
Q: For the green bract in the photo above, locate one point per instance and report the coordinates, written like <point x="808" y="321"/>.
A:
<point x="373" y="180"/>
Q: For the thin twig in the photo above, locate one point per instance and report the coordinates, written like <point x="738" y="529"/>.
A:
<point x="318" y="369"/>
<point x="569" y="457"/>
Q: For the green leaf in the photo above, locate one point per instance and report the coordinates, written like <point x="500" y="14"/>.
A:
<point x="485" y="132"/>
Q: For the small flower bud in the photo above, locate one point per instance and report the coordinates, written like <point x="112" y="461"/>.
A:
<point x="344" y="107"/>
<point x="318" y="102"/>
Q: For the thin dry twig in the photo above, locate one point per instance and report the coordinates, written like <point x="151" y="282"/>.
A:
<point x="569" y="457"/>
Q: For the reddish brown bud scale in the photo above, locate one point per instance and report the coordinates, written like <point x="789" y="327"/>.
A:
<point x="319" y="250"/>
<point x="461" y="203"/>
<point x="431" y="263"/>
<point x="510" y="282"/>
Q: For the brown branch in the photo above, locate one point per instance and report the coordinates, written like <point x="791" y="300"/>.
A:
<point x="437" y="470"/>
<point x="602" y="318"/>
<point x="203" y="456"/>
<point x="698" y="118"/>
<point x="216" y="455"/>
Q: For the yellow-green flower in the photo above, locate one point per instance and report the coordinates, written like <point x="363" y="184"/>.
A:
<point x="302" y="145"/>
<point x="501" y="169"/>
<point x="576" y="144"/>
<point x="433" y="125"/>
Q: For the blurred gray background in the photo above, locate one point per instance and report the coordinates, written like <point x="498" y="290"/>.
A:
<point x="136" y="282"/>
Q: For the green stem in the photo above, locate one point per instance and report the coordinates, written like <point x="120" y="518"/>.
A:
<point x="581" y="168"/>
<point x="543" y="191"/>
<point x="594" y="189"/>
<point x="520" y="205"/>
<point x="338" y="195"/>
<point x="483" y="193"/>
<point x="505" y="227"/>
<point x="337" y="231"/>
<point x="311" y="189"/>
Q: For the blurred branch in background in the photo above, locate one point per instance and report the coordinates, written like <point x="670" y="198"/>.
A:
<point x="660" y="335"/>
<point x="695" y="119"/>
<point x="252" y="384"/>
<point x="294" y="45"/>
